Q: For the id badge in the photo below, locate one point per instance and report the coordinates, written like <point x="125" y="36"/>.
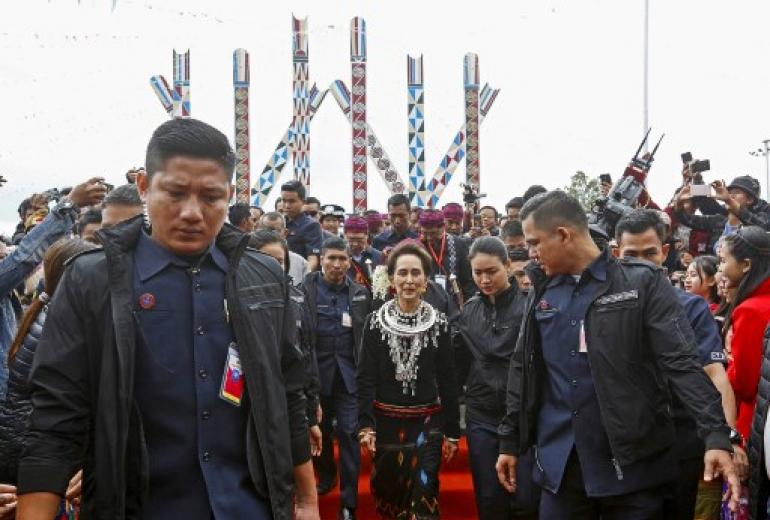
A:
<point x="232" y="380"/>
<point x="347" y="321"/>
<point x="583" y="344"/>
<point x="441" y="280"/>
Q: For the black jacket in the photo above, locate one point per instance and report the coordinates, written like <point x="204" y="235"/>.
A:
<point x="489" y="332"/>
<point x="360" y="306"/>
<point x="639" y="342"/>
<point x="307" y="344"/>
<point x="14" y="413"/>
<point x="85" y="415"/>
<point x="756" y="215"/>
<point x="755" y="445"/>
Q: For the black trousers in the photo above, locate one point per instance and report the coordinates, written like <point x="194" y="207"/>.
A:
<point x="681" y="504"/>
<point x="571" y="502"/>
<point x="493" y="502"/>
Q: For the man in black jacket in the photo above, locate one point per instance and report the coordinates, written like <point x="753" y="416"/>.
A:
<point x="338" y="308"/>
<point x="601" y="343"/>
<point x="168" y="368"/>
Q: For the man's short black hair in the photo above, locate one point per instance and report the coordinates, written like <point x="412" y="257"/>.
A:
<point x="533" y="190"/>
<point x="640" y="220"/>
<point x="553" y="209"/>
<point x="91" y="216"/>
<point x="334" y="243"/>
<point x="313" y="200"/>
<point x="512" y="228"/>
<point x="295" y="187"/>
<point x="189" y="138"/>
<point x="238" y="213"/>
<point x="399" y="199"/>
<point x="125" y="195"/>
<point x="489" y="207"/>
<point x="516" y="202"/>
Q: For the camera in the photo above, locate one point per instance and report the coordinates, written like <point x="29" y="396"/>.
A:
<point x="56" y="194"/>
<point x="471" y="194"/>
<point x="699" y="166"/>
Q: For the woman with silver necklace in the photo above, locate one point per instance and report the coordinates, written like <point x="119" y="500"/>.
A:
<point x="407" y="392"/>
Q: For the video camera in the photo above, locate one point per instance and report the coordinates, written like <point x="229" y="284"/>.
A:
<point x="625" y="195"/>
<point x="471" y="194"/>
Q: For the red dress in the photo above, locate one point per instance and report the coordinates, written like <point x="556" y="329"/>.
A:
<point x="749" y="321"/>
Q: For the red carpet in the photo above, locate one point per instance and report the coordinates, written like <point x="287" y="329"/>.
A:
<point x="456" y="491"/>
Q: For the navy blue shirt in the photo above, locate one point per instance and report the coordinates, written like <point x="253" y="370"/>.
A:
<point x="304" y="236"/>
<point x="569" y="417"/>
<point x="710" y="350"/>
<point x="196" y="441"/>
<point x="389" y="238"/>
<point x="334" y="339"/>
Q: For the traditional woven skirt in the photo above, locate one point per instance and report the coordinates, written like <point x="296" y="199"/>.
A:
<point x="404" y="479"/>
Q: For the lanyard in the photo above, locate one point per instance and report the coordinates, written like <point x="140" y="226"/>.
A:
<point x="438" y="259"/>
<point x="361" y="275"/>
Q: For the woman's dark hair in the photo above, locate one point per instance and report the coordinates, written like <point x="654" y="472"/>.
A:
<point x="748" y="243"/>
<point x="491" y="246"/>
<point x="188" y="138"/>
<point x="264" y="237"/>
<point x="54" y="263"/>
<point x="409" y="247"/>
<point x="707" y="266"/>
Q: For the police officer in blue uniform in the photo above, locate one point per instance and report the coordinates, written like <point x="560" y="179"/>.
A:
<point x="641" y="234"/>
<point x="303" y="233"/>
<point x="169" y="369"/>
<point x="589" y="380"/>
<point x="340" y="306"/>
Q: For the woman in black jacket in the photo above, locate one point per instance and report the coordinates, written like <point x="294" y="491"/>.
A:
<point x="489" y="324"/>
<point x="15" y="410"/>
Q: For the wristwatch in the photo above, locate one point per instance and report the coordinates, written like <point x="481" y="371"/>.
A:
<point x="735" y="437"/>
<point x="64" y="206"/>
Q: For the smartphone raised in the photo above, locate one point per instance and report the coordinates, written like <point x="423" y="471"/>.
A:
<point x="700" y="190"/>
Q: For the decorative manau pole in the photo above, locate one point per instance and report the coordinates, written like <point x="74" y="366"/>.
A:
<point x="182" y="84"/>
<point x="456" y="153"/>
<point x="165" y="94"/>
<point x="242" y="143"/>
<point x="301" y="96"/>
<point x="358" y="111"/>
<point x="471" y="76"/>
<point x="377" y="153"/>
<point x="418" y="193"/>
<point x="280" y="156"/>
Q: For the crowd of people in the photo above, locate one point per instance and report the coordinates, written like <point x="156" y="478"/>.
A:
<point x="169" y="354"/>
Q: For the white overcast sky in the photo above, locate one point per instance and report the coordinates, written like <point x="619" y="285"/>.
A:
<point x="75" y="99"/>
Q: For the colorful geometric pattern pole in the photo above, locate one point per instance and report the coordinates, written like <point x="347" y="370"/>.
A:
<point x="418" y="193"/>
<point x="358" y="111"/>
<point x="301" y="97"/>
<point x="280" y="156"/>
<point x="456" y="152"/>
<point x="471" y="76"/>
<point x="182" y="84"/>
<point x="377" y="153"/>
<point x="241" y="88"/>
<point x="165" y="94"/>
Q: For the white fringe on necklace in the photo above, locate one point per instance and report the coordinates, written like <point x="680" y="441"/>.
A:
<point x="407" y="334"/>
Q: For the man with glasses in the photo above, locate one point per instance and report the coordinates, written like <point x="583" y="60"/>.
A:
<point x="363" y="257"/>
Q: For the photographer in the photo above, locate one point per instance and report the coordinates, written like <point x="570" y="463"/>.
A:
<point x="29" y="253"/>
<point x="742" y="202"/>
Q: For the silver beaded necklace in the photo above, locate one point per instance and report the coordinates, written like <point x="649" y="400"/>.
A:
<point x="407" y="334"/>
